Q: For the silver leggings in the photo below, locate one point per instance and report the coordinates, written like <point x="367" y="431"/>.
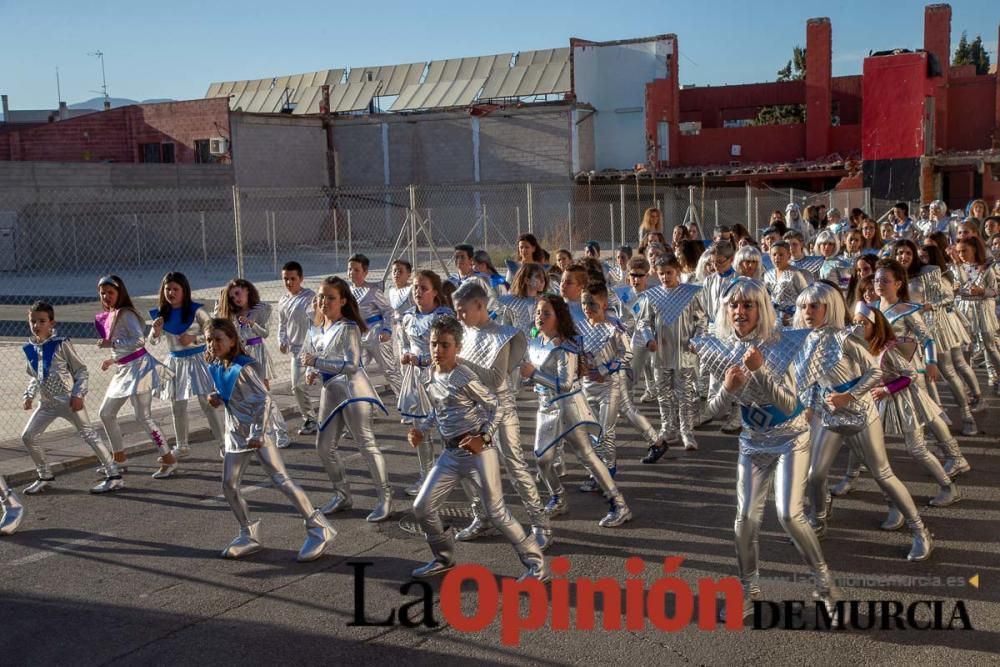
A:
<point x="677" y="394"/>
<point x="357" y="418"/>
<point x="579" y="442"/>
<point x="789" y="472"/>
<point x="508" y="439"/>
<point x="483" y="472"/>
<point x="379" y="354"/>
<point x="302" y="399"/>
<point x="870" y="445"/>
<point x="235" y="464"/>
<point x="963" y="368"/>
<point x="628" y="410"/>
<point x="917" y="448"/>
<point x="178" y="410"/>
<point x="45" y="413"/>
<point x="950" y="374"/>
<point x="605" y="402"/>
<point x="142" y="405"/>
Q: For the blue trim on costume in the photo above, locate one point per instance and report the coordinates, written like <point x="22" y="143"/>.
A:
<point x="173" y="324"/>
<point x="777" y="417"/>
<point x="49" y="349"/>
<point x="562" y="435"/>
<point x="225" y="378"/>
<point x="840" y="389"/>
<point x="189" y="352"/>
<point x="359" y="399"/>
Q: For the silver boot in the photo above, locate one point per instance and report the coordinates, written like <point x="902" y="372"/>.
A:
<point x="923" y="544"/>
<point x="948" y="495"/>
<point x="543" y="536"/>
<point x="828" y="594"/>
<point x="474" y="530"/>
<point x="955" y="466"/>
<point x="750" y="593"/>
<point x="319" y="536"/>
<point x="13" y="510"/>
<point x="44" y="481"/>
<point x="338" y="503"/>
<point x="557" y="505"/>
<point x="893" y="520"/>
<point x="618" y="514"/>
<point x="443" y="549"/>
<point x="108" y="485"/>
<point x="843" y="487"/>
<point x="531" y="557"/>
<point x="383" y="510"/>
<point x="246" y="543"/>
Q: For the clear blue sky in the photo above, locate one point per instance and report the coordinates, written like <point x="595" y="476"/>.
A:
<point x="175" y="49"/>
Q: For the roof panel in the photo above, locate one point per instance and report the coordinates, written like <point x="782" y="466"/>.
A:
<point x="543" y="56"/>
<point x="529" y="83"/>
<point x="308" y="101"/>
<point x="438" y="94"/>
<point x="213" y="89"/>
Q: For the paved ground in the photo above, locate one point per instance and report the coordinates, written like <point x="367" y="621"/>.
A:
<point x="135" y="578"/>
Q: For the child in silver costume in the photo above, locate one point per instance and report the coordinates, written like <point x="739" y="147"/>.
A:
<point x="59" y="380"/>
<point x="517" y="309"/>
<point x="415" y="333"/>
<point x="249" y="431"/>
<point x="137" y="373"/>
<point x="400" y="297"/>
<point x="784" y="282"/>
<point x="491" y="350"/>
<point x="333" y="352"/>
<point x="563" y="413"/>
<point x="376" y="345"/>
<point x="977" y="296"/>
<point x="12" y="510"/>
<point x="464" y="411"/>
<point x="753" y="356"/>
<point x="181" y="322"/>
<point x="835" y="375"/>
<point x="240" y="302"/>
<point x="671" y="316"/>
<point x="295" y="315"/>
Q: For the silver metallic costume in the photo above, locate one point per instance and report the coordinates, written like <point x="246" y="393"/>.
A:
<point x="401" y="301"/>
<point x="295" y="313"/>
<point x="811" y="265"/>
<point x="774" y="445"/>
<point x="12" y="513"/>
<point x="671" y="318"/>
<point x="563" y="414"/>
<point x="247" y="403"/>
<point x="58" y="375"/>
<point x="347" y="401"/>
<point x="136" y="376"/>
<point x="980" y="311"/>
<point x="492" y="351"/>
<point x="784" y="290"/>
<point x="607" y="353"/>
<point x="378" y="316"/>
<point x="484" y="281"/>
<point x="189" y="377"/>
<point x="834" y="361"/>
<point x="413" y="403"/>
<point x="837" y="270"/>
<point x="517" y="311"/>
<point x="461" y="406"/>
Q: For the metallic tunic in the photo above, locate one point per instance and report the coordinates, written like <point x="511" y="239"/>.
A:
<point x="931" y="288"/>
<point x="57" y="373"/>
<point x="190" y="370"/>
<point x="834" y="361"/>
<point x="979" y="310"/>
<point x="517" y="311"/>
<point x="785" y="289"/>
<point x="139" y="375"/>
<point x="415" y="339"/>
<point x="561" y="404"/>
<point x="907" y="322"/>
<point x="375" y="310"/>
<point x="460" y="405"/>
<point x="295" y="315"/>
<point x="337" y="349"/>
<point x="248" y="411"/>
<point x="492" y="351"/>
<point x="671" y="317"/>
<point x="400" y="300"/>
<point x="912" y="407"/>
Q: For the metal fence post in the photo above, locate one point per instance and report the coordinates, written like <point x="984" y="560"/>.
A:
<point x="204" y="242"/>
<point x="238" y="229"/>
<point x="486" y="244"/>
<point x="716" y="202"/>
<point x="517" y="215"/>
<point x="611" y="219"/>
<point x="621" y="210"/>
<point x="569" y="218"/>
<point x="350" y="238"/>
<point x="138" y="240"/>
<point x="274" y="240"/>
<point x="791" y="195"/>
<point x="336" y="238"/>
<point x="413" y="225"/>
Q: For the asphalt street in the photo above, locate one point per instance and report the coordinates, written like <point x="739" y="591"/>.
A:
<point x="135" y="578"/>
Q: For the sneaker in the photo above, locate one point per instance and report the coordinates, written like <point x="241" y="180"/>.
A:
<point x="556" y="506"/>
<point x="166" y="471"/>
<point x="977" y="404"/>
<point x="690" y="444"/>
<point x="655" y="453"/>
<point x="308" y="428"/>
<point x="39" y="485"/>
<point x="181" y="452"/>
<point x="108" y="485"/>
<point x="589" y="486"/>
<point x="969" y="426"/>
<point x="618" y="515"/>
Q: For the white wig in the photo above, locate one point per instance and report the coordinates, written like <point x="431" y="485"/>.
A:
<point x="820" y="292"/>
<point x="750" y="254"/>
<point x="827" y="236"/>
<point x="746" y="289"/>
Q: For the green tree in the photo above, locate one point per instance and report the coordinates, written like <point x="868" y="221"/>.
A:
<point x="794" y="70"/>
<point x="972" y="54"/>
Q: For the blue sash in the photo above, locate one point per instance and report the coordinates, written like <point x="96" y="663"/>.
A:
<point x="49" y="349"/>
<point x="761" y="417"/>
<point x="225" y="378"/>
<point x="189" y="352"/>
<point x="173" y="322"/>
<point x="374" y="319"/>
<point x="840" y="389"/>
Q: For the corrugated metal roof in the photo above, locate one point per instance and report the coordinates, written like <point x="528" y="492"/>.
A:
<point x="526" y="80"/>
<point x="393" y="77"/>
<point x="344" y="97"/>
<point x="439" y="94"/>
<point x="543" y="56"/>
<point x="317" y="78"/>
<point x="466" y="68"/>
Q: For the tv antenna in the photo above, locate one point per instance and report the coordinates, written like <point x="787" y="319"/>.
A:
<point x="104" y="79"/>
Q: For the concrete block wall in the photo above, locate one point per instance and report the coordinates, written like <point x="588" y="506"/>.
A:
<point x="278" y="151"/>
<point x="526" y="147"/>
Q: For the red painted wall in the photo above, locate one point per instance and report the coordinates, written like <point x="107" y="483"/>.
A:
<point x="971" y="112"/>
<point x="766" y="143"/>
<point x="115" y="135"/>
<point x="894" y="88"/>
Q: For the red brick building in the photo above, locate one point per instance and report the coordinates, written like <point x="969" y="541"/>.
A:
<point x="168" y="132"/>
<point x="917" y="127"/>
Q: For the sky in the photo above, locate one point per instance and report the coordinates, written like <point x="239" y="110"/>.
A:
<point x="157" y="49"/>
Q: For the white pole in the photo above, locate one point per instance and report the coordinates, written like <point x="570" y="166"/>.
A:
<point x="517" y="214"/>
<point x="336" y="239"/>
<point x="350" y="240"/>
<point x="274" y="239"/>
<point x="716" y="201"/>
<point x="621" y="211"/>
<point x="204" y="242"/>
<point x="531" y="210"/>
<point x="611" y="219"/>
<point x="569" y="218"/>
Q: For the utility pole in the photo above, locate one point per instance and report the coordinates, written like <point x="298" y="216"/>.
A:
<point x="104" y="79"/>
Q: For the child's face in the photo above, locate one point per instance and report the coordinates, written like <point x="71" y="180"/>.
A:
<point x="869" y="294"/>
<point x="722" y="264"/>
<point x="780" y="257"/>
<point x="424" y="294"/>
<point x="853" y="242"/>
<point x="536" y="283"/>
<point x="239" y="296"/>
<point x="462" y="262"/>
<point x="545" y="318"/>
<point x="638" y="279"/>
<point x="868" y="327"/>
<point x="471" y="312"/>
<point x="593" y="306"/>
<point x="868" y="230"/>
<point x="525" y="251"/>
<point x="814" y="314"/>
<point x="622" y="260"/>
<point x="356" y="272"/>
<point x="864" y="269"/>
<point x="564" y="259"/>
<point x="221" y="344"/>
<point x="174" y="294"/>
<point x="41" y="325"/>
<point x="743" y="316"/>
<point x="995" y="246"/>
<point x="444" y="350"/>
<point x="569" y="288"/>
<point x="966" y="255"/>
<point x="748" y="268"/>
<point x="963" y="233"/>
<point x="886" y="284"/>
<point x="668" y="276"/>
<point x="109" y="297"/>
<point x="795" y="246"/>
<point x="400" y="275"/>
<point x="826" y="248"/>
<point x="292" y="280"/>
<point x="331" y="303"/>
<point x="904" y="256"/>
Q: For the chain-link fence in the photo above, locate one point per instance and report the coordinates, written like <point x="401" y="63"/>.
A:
<point x="55" y="243"/>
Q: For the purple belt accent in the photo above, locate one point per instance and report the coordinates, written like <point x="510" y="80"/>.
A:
<point x="255" y="341"/>
<point x="141" y="352"/>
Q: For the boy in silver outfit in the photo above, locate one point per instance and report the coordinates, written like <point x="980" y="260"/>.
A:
<point x="464" y="411"/>
<point x="12" y="510"/>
